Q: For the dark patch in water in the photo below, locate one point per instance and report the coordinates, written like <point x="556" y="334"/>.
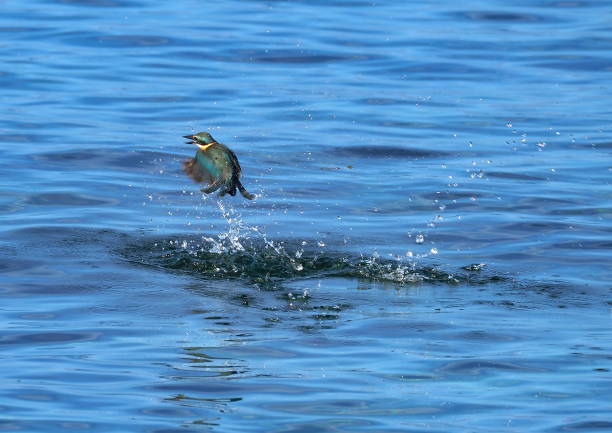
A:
<point x="20" y="138"/>
<point x="604" y="426"/>
<point x="293" y="56"/>
<point x="119" y="100"/>
<point x="514" y="176"/>
<point x="124" y="41"/>
<point x="444" y="68"/>
<point x="477" y="367"/>
<point x="483" y="336"/>
<point x="534" y="226"/>
<point x="67" y="199"/>
<point x="268" y="267"/>
<point x="604" y="145"/>
<point x="12" y="264"/>
<point x="499" y="16"/>
<point x="96" y="158"/>
<point x="580" y="63"/>
<point x="585" y="244"/>
<point x="46" y="337"/>
<point x="382" y="152"/>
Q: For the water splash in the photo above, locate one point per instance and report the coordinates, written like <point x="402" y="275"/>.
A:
<point x="239" y="238"/>
<point x="245" y="252"/>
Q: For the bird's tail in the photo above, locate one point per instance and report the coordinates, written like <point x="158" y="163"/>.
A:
<point x="244" y="192"/>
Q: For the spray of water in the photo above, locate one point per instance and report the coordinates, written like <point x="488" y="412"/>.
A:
<point x="245" y="252"/>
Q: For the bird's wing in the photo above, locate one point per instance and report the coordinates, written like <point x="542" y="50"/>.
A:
<point x="196" y="172"/>
<point x="234" y="162"/>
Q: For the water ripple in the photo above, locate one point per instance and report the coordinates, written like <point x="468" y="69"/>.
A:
<point x="430" y="235"/>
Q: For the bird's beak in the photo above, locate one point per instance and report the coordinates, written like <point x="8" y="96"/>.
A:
<point x="191" y="137"/>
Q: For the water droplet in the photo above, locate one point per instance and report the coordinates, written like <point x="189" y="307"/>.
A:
<point x="419" y="239"/>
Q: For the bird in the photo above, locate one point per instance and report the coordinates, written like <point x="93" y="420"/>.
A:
<point x="216" y="164"/>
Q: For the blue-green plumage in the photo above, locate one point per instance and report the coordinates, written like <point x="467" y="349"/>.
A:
<point x="215" y="164"/>
<point x="207" y="163"/>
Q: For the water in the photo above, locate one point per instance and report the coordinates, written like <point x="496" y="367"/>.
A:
<point x="430" y="246"/>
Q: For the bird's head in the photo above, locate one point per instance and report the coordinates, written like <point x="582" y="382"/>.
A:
<point x="202" y="139"/>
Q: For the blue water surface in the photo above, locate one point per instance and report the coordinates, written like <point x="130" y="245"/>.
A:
<point x="430" y="246"/>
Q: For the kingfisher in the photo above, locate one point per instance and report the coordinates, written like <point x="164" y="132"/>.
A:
<point x="216" y="164"/>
